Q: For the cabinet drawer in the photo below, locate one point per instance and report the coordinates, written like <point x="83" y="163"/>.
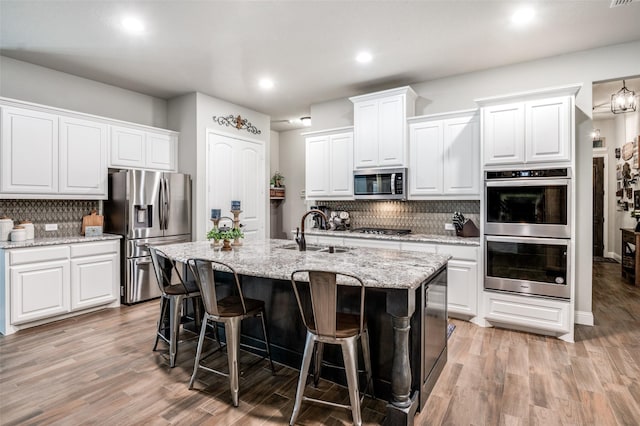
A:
<point x="40" y="254"/>
<point x="91" y="249"/>
<point x="542" y="314"/>
<point x="459" y="252"/>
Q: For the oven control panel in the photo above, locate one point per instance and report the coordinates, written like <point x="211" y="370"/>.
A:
<point x="524" y="174"/>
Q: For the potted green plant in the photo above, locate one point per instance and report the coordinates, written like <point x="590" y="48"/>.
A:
<point x="226" y="235"/>
<point x="276" y="180"/>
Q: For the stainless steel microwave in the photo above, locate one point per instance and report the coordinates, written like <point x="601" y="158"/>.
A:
<point x="380" y="184"/>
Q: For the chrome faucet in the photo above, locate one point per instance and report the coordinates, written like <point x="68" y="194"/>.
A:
<point x="302" y="244"/>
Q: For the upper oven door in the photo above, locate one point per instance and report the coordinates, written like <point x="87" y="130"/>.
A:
<point x="379" y="184"/>
<point x="533" y="207"/>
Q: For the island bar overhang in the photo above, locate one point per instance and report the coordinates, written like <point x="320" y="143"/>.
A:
<point x="396" y="309"/>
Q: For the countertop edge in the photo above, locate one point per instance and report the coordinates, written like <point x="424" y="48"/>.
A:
<point x="43" y="242"/>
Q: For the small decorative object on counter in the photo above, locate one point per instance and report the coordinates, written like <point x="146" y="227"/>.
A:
<point x="235" y="205"/>
<point x="6" y="225"/>
<point x="29" y="229"/>
<point x="276" y="180"/>
<point x="93" y="231"/>
<point x="215" y="213"/>
<point x="464" y="227"/>
<point x="93" y="219"/>
<point x="225" y="234"/>
<point x="18" y="234"/>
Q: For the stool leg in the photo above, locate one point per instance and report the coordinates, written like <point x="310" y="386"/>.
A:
<point x="175" y="304"/>
<point x="302" y="380"/>
<point x="196" y="364"/>
<point x="367" y="361"/>
<point x="350" y="355"/>
<point x="232" y="333"/>
<point x="163" y="308"/>
<point x="317" y="362"/>
<point x="267" y="345"/>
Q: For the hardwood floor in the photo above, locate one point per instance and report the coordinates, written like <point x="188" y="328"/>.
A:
<point x="99" y="368"/>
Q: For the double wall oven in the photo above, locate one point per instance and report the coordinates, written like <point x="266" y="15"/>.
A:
<point x="527" y="226"/>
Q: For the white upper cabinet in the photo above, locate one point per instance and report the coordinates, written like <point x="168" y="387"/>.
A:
<point x="329" y="164"/>
<point x="29" y="152"/>
<point x="380" y="129"/>
<point x="444" y="152"/>
<point x="134" y="148"/>
<point x="529" y="128"/>
<point x="51" y="153"/>
<point x="83" y="157"/>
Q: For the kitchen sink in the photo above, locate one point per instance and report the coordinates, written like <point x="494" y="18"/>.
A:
<point x="313" y="247"/>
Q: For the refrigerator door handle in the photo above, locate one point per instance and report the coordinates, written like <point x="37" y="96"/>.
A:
<point x="167" y="203"/>
<point x="161" y="203"/>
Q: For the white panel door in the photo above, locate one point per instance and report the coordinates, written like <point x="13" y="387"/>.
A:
<point x="39" y="290"/>
<point x="127" y="147"/>
<point x="236" y="171"/>
<point x="94" y="281"/>
<point x="341" y="165"/>
<point x="250" y="175"/>
<point x="461" y="156"/>
<point x="547" y="130"/>
<point x="29" y="154"/>
<point x="391" y="131"/>
<point x="317" y="166"/>
<point x="160" y="151"/>
<point x="504" y="134"/>
<point x="462" y="291"/>
<point x="83" y="157"/>
<point x="425" y="147"/>
<point x="366" y="136"/>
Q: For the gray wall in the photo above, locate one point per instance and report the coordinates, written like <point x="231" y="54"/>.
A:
<point x="458" y="92"/>
<point x="33" y="83"/>
<point x="292" y="167"/>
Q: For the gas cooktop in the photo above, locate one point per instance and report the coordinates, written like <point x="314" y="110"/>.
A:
<point x="382" y="231"/>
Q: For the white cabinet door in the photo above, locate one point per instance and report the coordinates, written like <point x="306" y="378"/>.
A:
<point x="461" y="156"/>
<point x="94" y="280"/>
<point x="317" y="166"/>
<point x="547" y="130"/>
<point x="39" y="290"/>
<point x="504" y="134"/>
<point x="160" y="151"/>
<point x="426" y="145"/>
<point x="366" y="135"/>
<point x="83" y="157"/>
<point x="462" y="279"/>
<point x="29" y="151"/>
<point x="127" y="147"/>
<point x="341" y="165"/>
<point x="391" y="131"/>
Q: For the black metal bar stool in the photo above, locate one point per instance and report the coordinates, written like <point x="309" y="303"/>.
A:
<point x="230" y="311"/>
<point x="174" y="290"/>
<point x="325" y="325"/>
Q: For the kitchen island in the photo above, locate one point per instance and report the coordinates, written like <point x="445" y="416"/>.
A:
<point x="408" y="346"/>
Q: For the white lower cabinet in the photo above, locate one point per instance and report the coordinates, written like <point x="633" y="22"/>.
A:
<point x="529" y="312"/>
<point x="42" y="284"/>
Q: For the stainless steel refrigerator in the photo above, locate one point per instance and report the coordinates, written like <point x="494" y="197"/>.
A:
<point x="146" y="208"/>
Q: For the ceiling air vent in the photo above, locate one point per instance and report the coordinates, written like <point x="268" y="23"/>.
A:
<point x="616" y="3"/>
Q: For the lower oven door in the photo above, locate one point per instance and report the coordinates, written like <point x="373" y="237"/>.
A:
<point x="529" y="266"/>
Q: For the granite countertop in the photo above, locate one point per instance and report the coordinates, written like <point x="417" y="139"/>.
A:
<point x="56" y="241"/>
<point x="418" y="238"/>
<point x="378" y="268"/>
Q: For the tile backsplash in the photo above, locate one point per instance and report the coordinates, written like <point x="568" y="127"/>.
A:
<point x="422" y="217"/>
<point x="67" y="214"/>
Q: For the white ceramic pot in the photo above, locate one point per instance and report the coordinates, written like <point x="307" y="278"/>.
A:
<point x="6" y="225"/>
<point x="18" y="234"/>
<point x="29" y="228"/>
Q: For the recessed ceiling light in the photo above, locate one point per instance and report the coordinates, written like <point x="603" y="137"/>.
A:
<point x="364" y="57"/>
<point x="132" y="25"/>
<point x="523" y="16"/>
<point x="266" y="83"/>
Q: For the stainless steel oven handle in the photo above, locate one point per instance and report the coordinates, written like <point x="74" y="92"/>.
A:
<point x="393" y="183"/>
<point x="528" y="240"/>
<point x="525" y="183"/>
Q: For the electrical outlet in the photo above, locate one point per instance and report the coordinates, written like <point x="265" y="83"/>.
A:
<point x="303" y="194"/>
<point x="51" y="227"/>
<point x="449" y="227"/>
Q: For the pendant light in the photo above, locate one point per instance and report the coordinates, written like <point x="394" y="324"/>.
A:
<point x="623" y="101"/>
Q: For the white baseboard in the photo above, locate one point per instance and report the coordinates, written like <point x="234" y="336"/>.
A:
<point x="614" y="255"/>
<point x="584" y="318"/>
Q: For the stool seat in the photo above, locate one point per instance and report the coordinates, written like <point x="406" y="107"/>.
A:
<point x="347" y="325"/>
<point x="184" y="288"/>
<point x="231" y="306"/>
